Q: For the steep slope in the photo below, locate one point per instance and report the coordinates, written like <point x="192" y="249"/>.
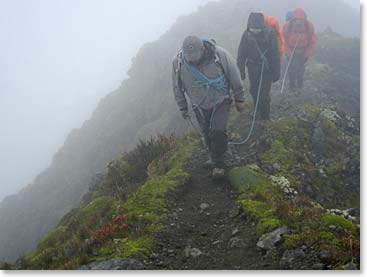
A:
<point x="301" y="171"/>
<point x="134" y="111"/>
<point x="291" y="200"/>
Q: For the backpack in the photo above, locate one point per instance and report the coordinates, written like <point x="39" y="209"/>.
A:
<point x="272" y="22"/>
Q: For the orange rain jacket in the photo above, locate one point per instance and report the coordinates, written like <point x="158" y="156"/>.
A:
<point x="302" y="36"/>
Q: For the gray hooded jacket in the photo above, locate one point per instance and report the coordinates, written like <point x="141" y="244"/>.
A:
<point x="216" y="62"/>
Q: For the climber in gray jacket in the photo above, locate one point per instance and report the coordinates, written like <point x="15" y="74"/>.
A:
<point x="207" y="74"/>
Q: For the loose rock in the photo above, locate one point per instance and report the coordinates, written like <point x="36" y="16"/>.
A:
<point x="324" y="255"/>
<point x="193" y="252"/>
<point x="236" y="242"/>
<point x="318" y="266"/>
<point x="270" y="240"/>
<point x="290" y="257"/>
<point x="204" y="206"/>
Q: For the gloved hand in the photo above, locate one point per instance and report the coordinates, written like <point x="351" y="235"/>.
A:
<point x="240" y="107"/>
<point x="185" y="114"/>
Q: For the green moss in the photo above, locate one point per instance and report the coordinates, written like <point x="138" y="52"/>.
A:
<point x="258" y="194"/>
<point x="336" y="220"/>
<point x="156" y="168"/>
<point x="68" y="246"/>
<point x="278" y="154"/>
<point x="148" y="205"/>
<point x="245" y="179"/>
<point x="267" y="225"/>
<point x="256" y="210"/>
<point x="97" y="208"/>
<point x="140" y="246"/>
<point x="53" y="238"/>
<point x="329" y="238"/>
<point x="289" y="148"/>
<point x="292" y="241"/>
<point x="262" y="213"/>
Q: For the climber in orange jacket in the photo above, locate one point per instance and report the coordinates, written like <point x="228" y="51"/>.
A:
<point x="299" y="36"/>
<point x="272" y="22"/>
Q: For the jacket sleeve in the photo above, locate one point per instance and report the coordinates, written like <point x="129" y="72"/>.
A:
<point x="233" y="74"/>
<point x="274" y="57"/>
<point x="178" y="89"/>
<point x="242" y="56"/>
<point x="311" y="45"/>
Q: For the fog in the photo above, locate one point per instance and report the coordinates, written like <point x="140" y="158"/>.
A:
<point x="57" y="59"/>
<point x="353" y="3"/>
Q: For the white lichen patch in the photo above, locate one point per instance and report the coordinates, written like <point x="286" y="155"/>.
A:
<point x="330" y="115"/>
<point x="284" y="184"/>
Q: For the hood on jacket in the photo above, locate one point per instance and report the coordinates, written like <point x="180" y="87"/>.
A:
<point x="256" y="21"/>
<point x="299" y="13"/>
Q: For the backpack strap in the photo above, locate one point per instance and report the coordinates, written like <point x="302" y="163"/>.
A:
<point x="180" y="61"/>
<point x="219" y="84"/>
<point x="262" y="53"/>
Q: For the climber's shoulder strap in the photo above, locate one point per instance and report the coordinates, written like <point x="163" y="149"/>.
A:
<point x="211" y="45"/>
<point x="177" y="65"/>
<point x="179" y="61"/>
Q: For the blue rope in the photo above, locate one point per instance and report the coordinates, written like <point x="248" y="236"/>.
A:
<point x="201" y="80"/>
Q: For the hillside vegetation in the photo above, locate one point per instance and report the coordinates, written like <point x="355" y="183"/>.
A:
<point x="139" y="109"/>
<point x="298" y="176"/>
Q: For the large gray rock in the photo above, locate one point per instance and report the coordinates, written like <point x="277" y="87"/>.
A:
<point x="114" y="264"/>
<point x="271" y="240"/>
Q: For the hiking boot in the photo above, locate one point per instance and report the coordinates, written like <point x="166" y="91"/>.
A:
<point x="218" y="173"/>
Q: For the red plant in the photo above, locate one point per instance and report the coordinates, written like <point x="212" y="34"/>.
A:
<point x="120" y="218"/>
<point x="124" y="227"/>
<point x="111" y="230"/>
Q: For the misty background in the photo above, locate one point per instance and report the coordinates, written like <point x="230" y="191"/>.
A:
<point x="57" y="60"/>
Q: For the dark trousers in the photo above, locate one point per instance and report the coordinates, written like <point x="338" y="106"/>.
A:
<point x="263" y="109"/>
<point x="296" y="71"/>
<point x="213" y="123"/>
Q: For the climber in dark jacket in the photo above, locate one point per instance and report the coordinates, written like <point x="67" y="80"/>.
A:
<point x="208" y="75"/>
<point x="259" y="50"/>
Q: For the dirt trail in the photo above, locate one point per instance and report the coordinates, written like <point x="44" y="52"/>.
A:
<point x="205" y="230"/>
